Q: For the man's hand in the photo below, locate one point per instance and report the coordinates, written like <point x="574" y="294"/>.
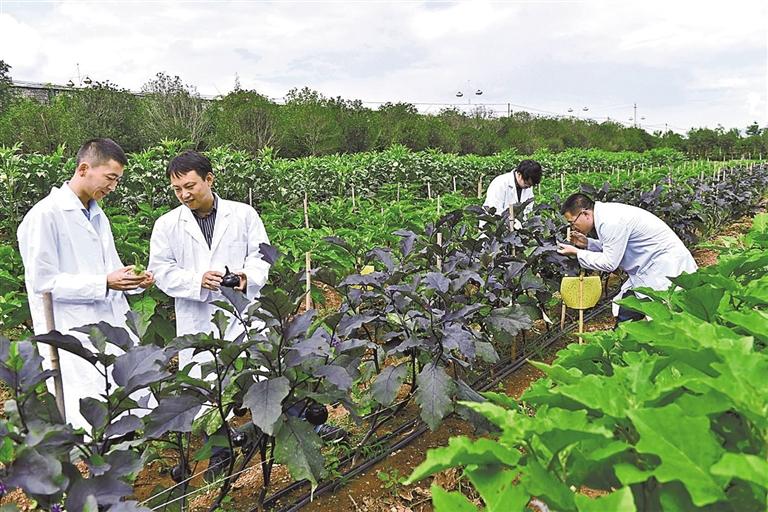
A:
<point x="578" y="239"/>
<point x="243" y="282"/>
<point x="124" y="279"/>
<point x="566" y="250"/>
<point x="212" y="280"/>
<point x="149" y="279"/>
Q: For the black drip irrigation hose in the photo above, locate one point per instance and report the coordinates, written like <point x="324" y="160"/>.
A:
<point x="499" y="372"/>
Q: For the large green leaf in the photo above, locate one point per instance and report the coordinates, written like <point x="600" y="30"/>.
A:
<point x="617" y="501"/>
<point x="445" y="501"/>
<point x="462" y="451"/>
<point x="686" y="446"/>
<point x="744" y="466"/>
<point x="498" y="488"/>
<point x="298" y="447"/>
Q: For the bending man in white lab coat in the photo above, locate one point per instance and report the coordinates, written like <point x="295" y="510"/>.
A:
<point x="629" y="238"/>
<point x="67" y="247"/>
<point x="514" y="187"/>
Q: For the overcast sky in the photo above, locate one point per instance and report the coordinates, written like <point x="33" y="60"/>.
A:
<point x="684" y="63"/>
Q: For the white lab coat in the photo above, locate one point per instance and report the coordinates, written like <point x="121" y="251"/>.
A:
<point x="501" y="194"/>
<point x="66" y="254"/>
<point x="179" y="256"/>
<point x="637" y="242"/>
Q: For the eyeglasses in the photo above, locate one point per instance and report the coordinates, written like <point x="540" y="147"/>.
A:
<point x="572" y="222"/>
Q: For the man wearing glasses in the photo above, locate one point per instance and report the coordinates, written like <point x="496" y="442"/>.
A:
<point x="626" y="237"/>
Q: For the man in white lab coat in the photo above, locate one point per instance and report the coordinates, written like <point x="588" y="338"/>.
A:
<point x="514" y="187"/>
<point x="189" y="250"/>
<point x="67" y="248"/>
<point x="629" y="238"/>
<point x="192" y="244"/>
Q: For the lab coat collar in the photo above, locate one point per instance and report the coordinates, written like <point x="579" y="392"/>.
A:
<point x="220" y="227"/>
<point x="222" y="222"/>
<point x="596" y="216"/>
<point x="68" y="200"/>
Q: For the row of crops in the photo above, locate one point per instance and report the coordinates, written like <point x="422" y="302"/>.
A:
<point x="668" y="414"/>
<point x="445" y="299"/>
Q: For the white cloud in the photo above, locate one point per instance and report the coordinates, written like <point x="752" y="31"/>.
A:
<point x="686" y="63"/>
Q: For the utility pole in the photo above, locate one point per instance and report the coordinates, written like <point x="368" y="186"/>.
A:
<point x="635" y="116"/>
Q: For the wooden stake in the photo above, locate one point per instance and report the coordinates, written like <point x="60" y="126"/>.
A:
<point x="58" y="382"/>
<point x="562" y="182"/>
<point x="512" y="226"/>
<point x="439" y="259"/>
<point x="250" y="196"/>
<point x="562" y="317"/>
<point x="308" y="280"/>
<point x="429" y="190"/>
<point x="480" y="187"/>
<point x="438" y="207"/>
<point x="306" y="211"/>
<point x="454" y="184"/>
<point x="581" y="307"/>
<point x="353" y="196"/>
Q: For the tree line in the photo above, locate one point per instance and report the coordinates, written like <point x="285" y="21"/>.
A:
<point x="311" y="124"/>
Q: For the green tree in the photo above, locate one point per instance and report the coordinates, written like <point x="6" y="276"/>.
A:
<point x="243" y="119"/>
<point x="6" y="83"/>
<point x="173" y="110"/>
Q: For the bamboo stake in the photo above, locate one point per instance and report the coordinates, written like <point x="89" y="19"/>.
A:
<point x="581" y="307"/>
<point x="512" y="226"/>
<point x="250" y="196"/>
<point x="439" y="259"/>
<point x="353" y="196"/>
<point x="306" y="211"/>
<point x="562" y="317"/>
<point x="562" y="182"/>
<point x="480" y="187"/>
<point x="58" y="382"/>
<point x="429" y="190"/>
<point x="454" y="184"/>
<point x="308" y="280"/>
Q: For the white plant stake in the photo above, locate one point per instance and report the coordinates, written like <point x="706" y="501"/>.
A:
<point x="308" y="280"/>
<point x="58" y="383"/>
<point x="454" y="184"/>
<point x="353" y="196"/>
<point x="512" y="226"/>
<point x="429" y="190"/>
<point x="439" y="259"/>
<point x="480" y="187"/>
<point x="562" y="182"/>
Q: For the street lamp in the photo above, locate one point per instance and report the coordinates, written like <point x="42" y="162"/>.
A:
<point x="460" y="94"/>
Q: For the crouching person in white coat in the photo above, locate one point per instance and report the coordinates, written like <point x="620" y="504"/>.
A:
<point x="67" y="248"/>
<point x="513" y="188"/>
<point x="193" y="244"/>
<point x="629" y="238"/>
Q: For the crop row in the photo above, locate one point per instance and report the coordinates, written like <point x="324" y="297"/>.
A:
<point x="439" y="307"/>
<point x="668" y="414"/>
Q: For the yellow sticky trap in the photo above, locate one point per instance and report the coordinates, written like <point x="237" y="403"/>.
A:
<point x="368" y="269"/>
<point x="581" y="292"/>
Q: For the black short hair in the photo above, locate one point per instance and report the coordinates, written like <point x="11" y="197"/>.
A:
<point x="100" y="151"/>
<point x="575" y="203"/>
<point x="530" y="170"/>
<point x="189" y="161"/>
